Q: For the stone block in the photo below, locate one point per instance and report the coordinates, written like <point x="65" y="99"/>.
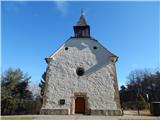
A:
<point x="54" y="111"/>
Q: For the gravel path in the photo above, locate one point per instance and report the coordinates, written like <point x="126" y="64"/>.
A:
<point x="84" y="117"/>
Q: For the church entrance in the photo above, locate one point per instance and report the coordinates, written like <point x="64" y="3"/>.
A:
<point x="80" y="105"/>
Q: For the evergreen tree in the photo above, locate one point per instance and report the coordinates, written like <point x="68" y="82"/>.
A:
<point x="14" y="92"/>
<point x="42" y="84"/>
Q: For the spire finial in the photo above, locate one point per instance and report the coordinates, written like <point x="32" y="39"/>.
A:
<point x="82" y="12"/>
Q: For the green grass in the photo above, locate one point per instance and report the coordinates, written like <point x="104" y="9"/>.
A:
<point x="16" y="118"/>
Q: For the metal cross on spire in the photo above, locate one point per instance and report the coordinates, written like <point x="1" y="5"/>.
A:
<point x="82" y="12"/>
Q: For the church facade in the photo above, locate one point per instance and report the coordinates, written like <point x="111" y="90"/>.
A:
<point x="81" y="77"/>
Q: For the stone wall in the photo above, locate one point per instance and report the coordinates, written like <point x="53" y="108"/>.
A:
<point x="106" y="112"/>
<point x="54" y="111"/>
<point x="97" y="82"/>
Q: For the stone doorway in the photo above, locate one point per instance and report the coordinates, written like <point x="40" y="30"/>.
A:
<point x="80" y="105"/>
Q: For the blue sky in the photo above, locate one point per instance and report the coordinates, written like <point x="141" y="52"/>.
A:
<point x="32" y="31"/>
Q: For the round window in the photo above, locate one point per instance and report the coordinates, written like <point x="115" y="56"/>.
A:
<point x="95" y="47"/>
<point x="66" y="48"/>
<point x="80" y="71"/>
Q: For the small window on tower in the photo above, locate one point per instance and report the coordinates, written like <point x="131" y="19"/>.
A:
<point x="62" y="101"/>
<point x="66" y="48"/>
<point x="95" y="47"/>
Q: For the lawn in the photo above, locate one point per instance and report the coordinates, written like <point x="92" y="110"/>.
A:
<point x="16" y="118"/>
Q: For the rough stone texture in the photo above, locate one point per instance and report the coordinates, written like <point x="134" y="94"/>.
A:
<point x="99" y="81"/>
<point x="116" y="93"/>
<point x="106" y="112"/>
<point x="54" y="112"/>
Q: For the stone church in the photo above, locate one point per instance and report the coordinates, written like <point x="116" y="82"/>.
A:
<point x="81" y="77"/>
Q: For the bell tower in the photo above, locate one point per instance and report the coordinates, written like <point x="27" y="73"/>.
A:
<point x="81" y="29"/>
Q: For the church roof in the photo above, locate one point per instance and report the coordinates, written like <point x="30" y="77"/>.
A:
<point x="81" y="21"/>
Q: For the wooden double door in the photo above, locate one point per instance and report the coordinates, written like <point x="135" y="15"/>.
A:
<point x="80" y="105"/>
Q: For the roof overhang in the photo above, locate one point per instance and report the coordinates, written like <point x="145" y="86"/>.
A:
<point x="48" y="59"/>
<point x="113" y="58"/>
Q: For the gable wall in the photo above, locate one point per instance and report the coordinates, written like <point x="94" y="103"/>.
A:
<point x="97" y="81"/>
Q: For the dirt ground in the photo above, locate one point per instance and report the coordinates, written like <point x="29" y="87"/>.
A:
<point x="135" y="112"/>
<point x="128" y="115"/>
